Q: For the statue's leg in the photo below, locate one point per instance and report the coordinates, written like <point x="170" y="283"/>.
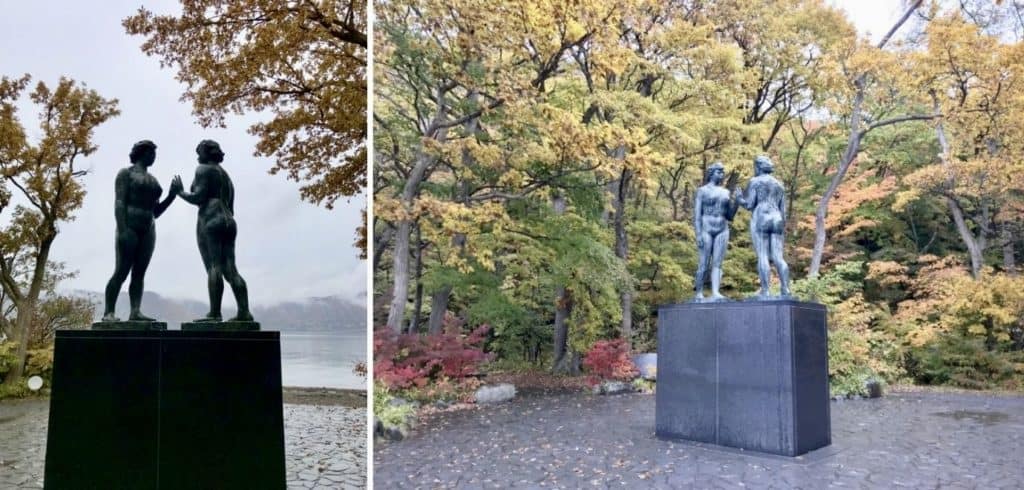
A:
<point x="238" y="286"/>
<point x="209" y="249"/>
<point x="147" y="242"/>
<point x="703" y="255"/>
<point x="761" y="243"/>
<point x="721" y="244"/>
<point x="778" y="242"/>
<point x="126" y="243"/>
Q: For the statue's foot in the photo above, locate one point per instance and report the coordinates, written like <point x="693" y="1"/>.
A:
<point x="139" y="317"/>
<point x="243" y="316"/>
<point x="109" y="317"/>
<point x="208" y="318"/>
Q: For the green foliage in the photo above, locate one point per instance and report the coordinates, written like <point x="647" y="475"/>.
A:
<point x="39" y="362"/>
<point x="848" y="367"/>
<point x="389" y="413"/>
<point x="966" y="362"/>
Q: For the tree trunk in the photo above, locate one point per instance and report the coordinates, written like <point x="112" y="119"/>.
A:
<point x="404" y="227"/>
<point x="975" y="247"/>
<point x="852" y="148"/>
<point x="380" y="245"/>
<point x="438" y="307"/>
<point x="26" y="310"/>
<point x="400" y="291"/>
<point x="622" y="247"/>
<point x="563" y="308"/>
<point x="20" y="337"/>
<point x="417" y="310"/>
<point x="1009" y="254"/>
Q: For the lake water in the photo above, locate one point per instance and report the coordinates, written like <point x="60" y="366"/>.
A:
<point x="322" y="360"/>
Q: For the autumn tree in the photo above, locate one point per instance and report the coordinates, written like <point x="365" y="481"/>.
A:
<point x="41" y="188"/>
<point x="976" y="83"/>
<point x="445" y="66"/>
<point x="301" y="61"/>
<point x="877" y="91"/>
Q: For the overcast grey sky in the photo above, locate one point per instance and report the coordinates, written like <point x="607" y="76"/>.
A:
<point x="287" y="249"/>
<point x="872" y="16"/>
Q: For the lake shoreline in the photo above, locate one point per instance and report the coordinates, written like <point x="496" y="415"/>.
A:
<point x="301" y="395"/>
<point x="292" y="395"/>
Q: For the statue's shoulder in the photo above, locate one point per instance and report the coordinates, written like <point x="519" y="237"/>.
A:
<point x="205" y="169"/>
<point x="768" y="180"/>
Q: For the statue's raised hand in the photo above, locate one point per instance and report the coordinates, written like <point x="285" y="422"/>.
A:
<point x="176" y="186"/>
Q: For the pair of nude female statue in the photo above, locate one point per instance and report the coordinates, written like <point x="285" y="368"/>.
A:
<point x="136" y="207"/>
<point x="714" y="208"/>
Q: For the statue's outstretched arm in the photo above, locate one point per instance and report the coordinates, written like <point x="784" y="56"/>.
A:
<point x="162" y="205"/>
<point x="747" y="198"/>
<point x="198" y="188"/>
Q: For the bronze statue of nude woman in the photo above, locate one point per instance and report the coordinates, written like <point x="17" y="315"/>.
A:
<point x="214" y="194"/>
<point x="713" y="209"/>
<point x="137" y="205"/>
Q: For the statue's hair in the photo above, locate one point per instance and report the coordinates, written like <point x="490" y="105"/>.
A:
<point x="763" y="159"/>
<point x="212" y="149"/>
<point x="712" y="167"/>
<point x="141" y="148"/>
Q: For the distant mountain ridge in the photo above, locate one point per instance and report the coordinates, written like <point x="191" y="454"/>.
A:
<point x="319" y="314"/>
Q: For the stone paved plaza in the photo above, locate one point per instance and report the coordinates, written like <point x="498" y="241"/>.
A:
<point x="325" y="446"/>
<point x="907" y="440"/>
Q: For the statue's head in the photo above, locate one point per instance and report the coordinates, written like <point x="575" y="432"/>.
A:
<point x="209" y="151"/>
<point x="763" y="165"/>
<point x="143" y="152"/>
<point x="715" y="173"/>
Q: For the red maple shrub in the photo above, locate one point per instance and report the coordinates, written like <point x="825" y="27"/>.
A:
<point x="609" y="360"/>
<point x="413" y="360"/>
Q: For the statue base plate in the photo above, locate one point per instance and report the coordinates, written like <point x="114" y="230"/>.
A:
<point x="226" y="326"/>
<point x="744" y="374"/>
<point x="165" y="409"/>
<point x="130" y="325"/>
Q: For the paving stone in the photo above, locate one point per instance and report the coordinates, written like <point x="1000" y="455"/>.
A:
<point x="314" y="436"/>
<point x="919" y="440"/>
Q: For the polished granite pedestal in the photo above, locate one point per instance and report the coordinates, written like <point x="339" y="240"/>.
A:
<point x="165" y="410"/>
<point x="748" y="374"/>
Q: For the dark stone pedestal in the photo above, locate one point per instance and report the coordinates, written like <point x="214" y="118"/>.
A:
<point x="129" y="325"/>
<point x="166" y="410"/>
<point x="750" y="375"/>
<point x="228" y="326"/>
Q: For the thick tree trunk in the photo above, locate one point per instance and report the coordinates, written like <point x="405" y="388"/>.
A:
<point x="20" y="338"/>
<point x="417" y="310"/>
<point x="438" y="307"/>
<point x="396" y="313"/>
<point x="380" y="245"/>
<point x="400" y="291"/>
<point x="563" y="308"/>
<point x="26" y="310"/>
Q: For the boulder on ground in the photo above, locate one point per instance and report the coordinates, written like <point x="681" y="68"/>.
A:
<point x="613" y="388"/>
<point x="495" y="393"/>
